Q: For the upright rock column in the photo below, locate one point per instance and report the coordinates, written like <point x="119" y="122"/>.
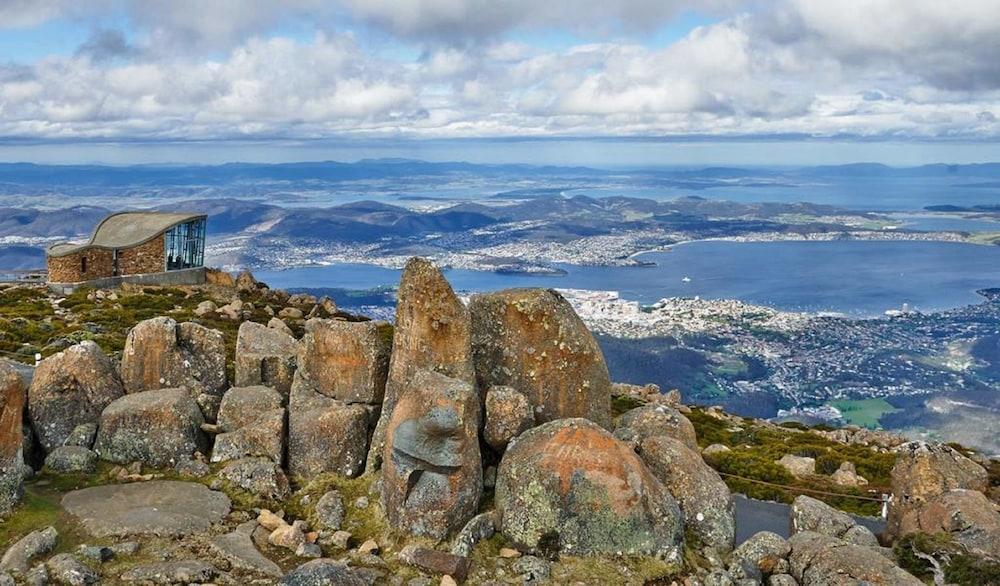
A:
<point x="433" y="333"/>
<point x="11" y="407"/>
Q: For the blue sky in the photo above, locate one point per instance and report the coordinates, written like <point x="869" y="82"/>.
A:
<point x="752" y="81"/>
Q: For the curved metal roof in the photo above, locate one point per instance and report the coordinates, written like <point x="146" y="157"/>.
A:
<point x="125" y="230"/>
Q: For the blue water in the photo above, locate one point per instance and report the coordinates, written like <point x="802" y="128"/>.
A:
<point x="856" y="278"/>
<point x="934" y="223"/>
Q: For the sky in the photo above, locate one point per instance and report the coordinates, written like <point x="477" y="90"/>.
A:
<point x="559" y="81"/>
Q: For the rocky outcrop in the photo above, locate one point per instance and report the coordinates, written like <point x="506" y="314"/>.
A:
<point x="432" y="473"/>
<point x="533" y="341"/>
<point x="507" y="415"/>
<point x="764" y="554"/>
<point x="923" y="471"/>
<point x="265" y="356"/>
<point x="571" y="485"/>
<point x="821" y="560"/>
<point x="69" y="389"/>
<point x="252" y="423"/>
<point x="432" y="333"/>
<point x="11" y="458"/>
<point x="968" y="516"/>
<point x="847" y="475"/>
<point x="347" y="361"/>
<point x="798" y="466"/>
<point x="258" y="476"/>
<point x="158" y="428"/>
<point x="809" y="514"/>
<point x="704" y="499"/>
<point x="324" y="434"/>
<point x="160" y="353"/>
<point x="648" y="421"/>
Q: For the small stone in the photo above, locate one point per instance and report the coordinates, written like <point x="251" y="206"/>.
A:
<point x="269" y="520"/>
<point x="330" y="511"/>
<point x="715" y="449"/>
<point x="447" y="580"/>
<point x="18" y="556"/>
<point x="308" y="550"/>
<point x="174" y="572"/>
<point x="369" y="546"/>
<point x="66" y="569"/>
<point x="340" y="539"/>
<point x="72" y="460"/>
<point x="125" y="548"/>
<point x="325" y="572"/>
<point x="532" y="568"/>
<point x="436" y="562"/>
<point x="238" y="548"/>
<point x="361" y="502"/>
<point x="98" y="553"/>
<point x="508" y="553"/>
<point x="37" y="576"/>
<point x="289" y="536"/>
<point x="194" y="467"/>
<point x="480" y="527"/>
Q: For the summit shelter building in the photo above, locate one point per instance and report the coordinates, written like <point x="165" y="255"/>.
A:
<point x="153" y="248"/>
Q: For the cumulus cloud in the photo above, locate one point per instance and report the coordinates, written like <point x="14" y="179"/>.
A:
<point x="193" y="70"/>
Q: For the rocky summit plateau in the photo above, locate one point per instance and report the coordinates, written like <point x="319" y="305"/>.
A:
<point x="234" y="434"/>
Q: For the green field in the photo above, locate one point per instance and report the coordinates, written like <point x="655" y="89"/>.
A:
<point x="864" y="412"/>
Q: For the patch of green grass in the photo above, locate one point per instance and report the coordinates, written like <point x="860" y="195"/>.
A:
<point x="864" y="412"/>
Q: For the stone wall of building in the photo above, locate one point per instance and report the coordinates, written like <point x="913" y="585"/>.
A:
<point x="149" y="257"/>
<point x="70" y="268"/>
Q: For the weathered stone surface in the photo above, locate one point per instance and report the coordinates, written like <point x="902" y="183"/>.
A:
<point x="652" y="420"/>
<point x="860" y="535"/>
<point x="265" y="356"/>
<point x="323" y="572"/>
<point x="276" y="323"/>
<point x="330" y="511"/>
<point x="573" y="485"/>
<point x="242" y="406"/>
<point x="821" y="560"/>
<point x="762" y="553"/>
<point x="238" y="548"/>
<point x="324" y="434"/>
<point x="782" y="580"/>
<point x="347" y="361"/>
<point x="968" y="516"/>
<point x="923" y="471"/>
<point x="11" y="440"/>
<point x="798" y="466"/>
<point x="809" y="514"/>
<point x="259" y="476"/>
<point x="508" y="414"/>
<point x="436" y="562"/>
<point x="83" y="435"/>
<point x="704" y="499"/>
<point x="158" y="428"/>
<point x="65" y="568"/>
<point x="480" y="527"/>
<point x="432" y="472"/>
<point x="263" y="436"/>
<point x="160" y="353"/>
<point x="175" y="572"/>
<point x="847" y="475"/>
<point x="72" y="460"/>
<point x="433" y="332"/>
<point x="715" y="449"/>
<point x="69" y="389"/>
<point x="158" y="507"/>
<point x="17" y="558"/>
<point x="533" y="341"/>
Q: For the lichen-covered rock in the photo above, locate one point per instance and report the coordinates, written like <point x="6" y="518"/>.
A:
<point x="923" y="471"/>
<point x="324" y="434"/>
<point x="158" y="428"/>
<point x="71" y="460"/>
<point x="173" y="572"/>
<point x="507" y="415"/>
<point x="760" y="555"/>
<point x="847" y="475"/>
<point x="347" y="361"/>
<point x="432" y="475"/>
<point x="69" y="389"/>
<point x="323" y="572"/>
<point x="480" y="527"/>
<point x="65" y="568"/>
<point x="704" y="499"/>
<point x="798" y="466"/>
<point x="822" y="560"/>
<point x="265" y="356"/>
<point x="433" y="332"/>
<point x="258" y="476"/>
<point x="330" y="511"/>
<point x="809" y="514"/>
<point x="252" y="422"/>
<point x="11" y="458"/>
<point x="652" y="420"/>
<point x="17" y="558"/>
<point x="533" y="341"/>
<point x="160" y="353"/>
<point x="82" y="435"/>
<point x="968" y="516"/>
<point x="571" y="485"/>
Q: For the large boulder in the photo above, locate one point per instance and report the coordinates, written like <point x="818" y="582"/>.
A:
<point x="571" y="485"/>
<point x="433" y="332"/>
<point x="69" y="389"/>
<point x="704" y="499"/>
<point x="652" y="420"/>
<point x="11" y="459"/>
<point x="324" y="434"/>
<point x="347" y="361"/>
<point x="822" y="560"/>
<point x="265" y="356"/>
<point x="252" y="422"/>
<point x="968" y="516"/>
<point x="432" y="474"/>
<point x="507" y="415"/>
<point x="158" y="428"/>
<point x="533" y="341"/>
<point x="809" y="514"/>
<point x="923" y="471"/>
<point x="160" y="353"/>
<point x="324" y="572"/>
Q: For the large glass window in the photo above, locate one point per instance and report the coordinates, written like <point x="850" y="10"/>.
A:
<point x="185" y="245"/>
